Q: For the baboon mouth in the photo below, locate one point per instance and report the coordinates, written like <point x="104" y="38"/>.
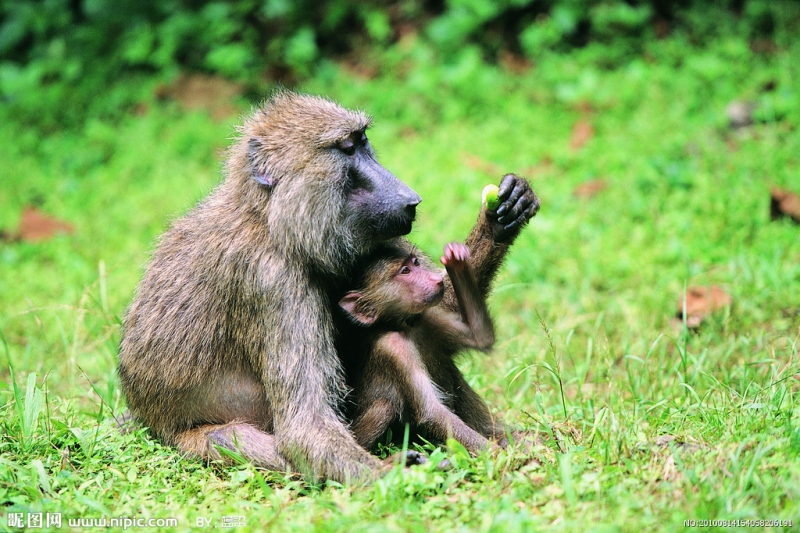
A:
<point x="405" y="230"/>
<point x="396" y="227"/>
<point x="435" y="298"/>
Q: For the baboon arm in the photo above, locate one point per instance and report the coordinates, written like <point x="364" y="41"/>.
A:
<point x="304" y="383"/>
<point x="490" y="239"/>
<point x="472" y="305"/>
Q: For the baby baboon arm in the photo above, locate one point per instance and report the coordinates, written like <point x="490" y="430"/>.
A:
<point x="425" y="399"/>
<point x="443" y="423"/>
<point x="471" y="302"/>
<point x="440" y="421"/>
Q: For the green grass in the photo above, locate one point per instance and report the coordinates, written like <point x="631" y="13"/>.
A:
<point x="643" y="425"/>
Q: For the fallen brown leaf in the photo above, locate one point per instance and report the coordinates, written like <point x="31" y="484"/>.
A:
<point x="589" y="189"/>
<point x="784" y="203"/>
<point x="582" y="133"/>
<point x="476" y="163"/>
<point x="701" y="302"/>
<point x="195" y="92"/>
<point x="360" y="69"/>
<point x="763" y="46"/>
<point x="662" y="27"/>
<point x="584" y="107"/>
<point x="35" y="226"/>
<point x="515" y="64"/>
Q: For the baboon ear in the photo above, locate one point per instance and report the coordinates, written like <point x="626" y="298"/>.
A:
<point x="258" y="163"/>
<point x="350" y="303"/>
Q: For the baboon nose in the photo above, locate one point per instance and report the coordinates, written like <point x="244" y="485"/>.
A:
<point x="411" y="205"/>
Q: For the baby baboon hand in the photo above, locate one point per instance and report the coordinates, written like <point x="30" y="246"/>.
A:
<point x="518" y="204"/>
<point x="455" y="255"/>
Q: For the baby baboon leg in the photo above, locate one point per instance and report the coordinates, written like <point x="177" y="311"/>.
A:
<point x="374" y="422"/>
<point x="256" y="446"/>
<point x="436" y="417"/>
<point x="470" y="408"/>
<point x="443" y="424"/>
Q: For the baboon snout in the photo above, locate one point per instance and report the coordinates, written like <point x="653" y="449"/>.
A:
<point x="411" y="204"/>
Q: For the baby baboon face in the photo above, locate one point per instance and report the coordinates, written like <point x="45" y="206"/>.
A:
<point x="416" y="287"/>
<point x="396" y="287"/>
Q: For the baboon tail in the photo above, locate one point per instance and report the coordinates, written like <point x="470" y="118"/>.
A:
<point x="255" y="445"/>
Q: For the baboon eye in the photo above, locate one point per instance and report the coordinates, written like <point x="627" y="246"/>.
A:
<point x="347" y="146"/>
<point x="415" y="261"/>
<point x="405" y="270"/>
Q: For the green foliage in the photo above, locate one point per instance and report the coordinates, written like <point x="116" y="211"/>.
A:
<point x="642" y="424"/>
<point x="54" y="54"/>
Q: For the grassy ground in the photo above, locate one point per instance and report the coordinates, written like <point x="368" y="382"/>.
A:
<point x="644" y="424"/>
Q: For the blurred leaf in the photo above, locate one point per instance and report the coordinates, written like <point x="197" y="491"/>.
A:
<point x="230" y="60"/>
<point x="784" y="203"/>
<point x="35" y="226"/>
<point x="582" y="133"/>
<point x="699" y="302"/>
<point x="590" y="189"/>
<point x="378" y="27"/>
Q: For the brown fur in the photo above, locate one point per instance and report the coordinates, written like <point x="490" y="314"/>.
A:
<point x="229" y="340"/>
<point x="406" y="364"/>
<point x="408" y="333"/>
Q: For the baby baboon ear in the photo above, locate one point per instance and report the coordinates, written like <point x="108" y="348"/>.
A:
<point x="258" y="163"/>
<point x="361" y="314"/>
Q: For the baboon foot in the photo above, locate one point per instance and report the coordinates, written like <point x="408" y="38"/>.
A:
<point x="255" y="445"/>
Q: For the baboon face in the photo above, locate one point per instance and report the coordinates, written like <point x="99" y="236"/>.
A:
<point x="396" y="289"/>
<point x="312" y="159"/>
<point x="415" y="287"/>
<point x="375" y="197"/>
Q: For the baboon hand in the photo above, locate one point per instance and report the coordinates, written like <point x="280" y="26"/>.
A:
<point x="409" y="458"/>
<point x="518" y="204"/>
<point x="455" y="255"/>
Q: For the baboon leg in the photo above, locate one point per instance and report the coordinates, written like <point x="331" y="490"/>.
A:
<point x="470" y="408"/>
<point x="442" y="423"/>
<point x="255" y="445"/>
<point x="435" y="416"/>
<point x="374" y="422"/>
<point x="126" y="422"/>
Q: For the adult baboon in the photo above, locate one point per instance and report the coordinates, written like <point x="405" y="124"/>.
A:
<point x="410" y="341"/>
<point x="430" y="338"/>
<point x="229" y="340"/>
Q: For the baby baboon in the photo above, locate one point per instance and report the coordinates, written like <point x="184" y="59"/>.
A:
<point x="410" y="342"/>
<point x="488" y="244"/>
<point x="229" y="340"/>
